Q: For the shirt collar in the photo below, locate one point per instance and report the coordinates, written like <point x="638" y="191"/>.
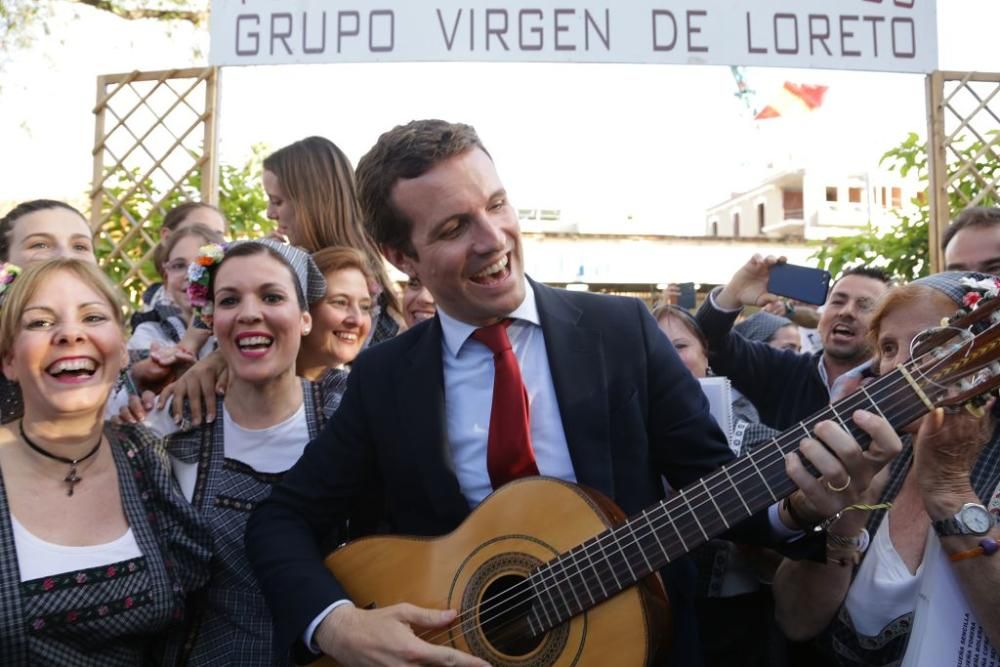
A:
<point x="456" y="332"/>
<point x="860" y="369"/>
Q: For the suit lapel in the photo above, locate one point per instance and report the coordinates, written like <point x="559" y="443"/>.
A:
<point x="576" y="361"/>
<point x="419" y="384"/>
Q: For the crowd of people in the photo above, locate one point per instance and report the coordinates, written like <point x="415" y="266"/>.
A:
<point x="170" y="483"/>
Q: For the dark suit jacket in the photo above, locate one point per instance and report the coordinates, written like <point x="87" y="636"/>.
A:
<point x="630" y="410"/>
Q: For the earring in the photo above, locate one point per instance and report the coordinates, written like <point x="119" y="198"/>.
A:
<point x="305" y="331"/>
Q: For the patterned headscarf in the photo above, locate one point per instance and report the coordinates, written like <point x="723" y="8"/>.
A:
<point x="761" y="326"/>
<point x="310" y="283"/>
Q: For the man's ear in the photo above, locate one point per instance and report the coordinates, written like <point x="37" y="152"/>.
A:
<point x="399" y="259"/>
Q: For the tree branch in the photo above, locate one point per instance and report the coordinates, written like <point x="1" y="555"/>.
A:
<point x="197" y="18"/>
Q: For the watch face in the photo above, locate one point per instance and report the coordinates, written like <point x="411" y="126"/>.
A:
<point x="976" y="518"/>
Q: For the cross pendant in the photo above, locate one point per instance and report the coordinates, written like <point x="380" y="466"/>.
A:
<point x="72" y="479"/>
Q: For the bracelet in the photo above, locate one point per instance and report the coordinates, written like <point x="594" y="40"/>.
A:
<point x="797" y="518"/>
<point x="987" y="547"/>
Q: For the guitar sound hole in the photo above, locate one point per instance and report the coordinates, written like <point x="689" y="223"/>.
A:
<point x="503" y="616"/>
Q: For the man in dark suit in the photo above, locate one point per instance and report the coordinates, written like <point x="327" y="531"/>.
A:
<point x="611" y="405"/>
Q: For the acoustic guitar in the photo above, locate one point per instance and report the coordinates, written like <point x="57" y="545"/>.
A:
<point x="545" y="572"/>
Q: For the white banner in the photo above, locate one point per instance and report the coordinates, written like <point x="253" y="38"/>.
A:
<point x="880" y="35"/>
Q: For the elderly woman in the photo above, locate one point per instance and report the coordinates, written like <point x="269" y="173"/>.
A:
<point x="940" y="490"/>
<point x="778" y="332"/>
<point x="256" y="294"/>
<point x="99" y="546"/>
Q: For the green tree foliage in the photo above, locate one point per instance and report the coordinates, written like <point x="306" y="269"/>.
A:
<point x="120" y="244"/>
<point x="903" y="249"/>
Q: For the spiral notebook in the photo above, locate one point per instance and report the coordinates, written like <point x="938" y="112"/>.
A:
<point x="719" y="393"/>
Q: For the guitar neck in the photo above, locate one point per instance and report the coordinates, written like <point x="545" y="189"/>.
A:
<point x="622" y="556"/>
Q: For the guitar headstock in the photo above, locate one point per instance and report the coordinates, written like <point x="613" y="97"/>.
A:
<point x="961" y="358"/>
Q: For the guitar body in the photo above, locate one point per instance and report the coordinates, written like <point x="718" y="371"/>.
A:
<point x="524" y="524"/>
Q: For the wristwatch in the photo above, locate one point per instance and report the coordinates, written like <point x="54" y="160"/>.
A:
<point x="972" y="519"/>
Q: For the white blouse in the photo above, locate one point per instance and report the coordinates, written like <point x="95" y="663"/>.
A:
<point x="37" y="558"/>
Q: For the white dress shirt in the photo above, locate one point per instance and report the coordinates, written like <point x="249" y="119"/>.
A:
<point x="468" y="390"/>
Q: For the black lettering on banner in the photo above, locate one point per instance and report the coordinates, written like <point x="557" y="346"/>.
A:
<point x="305" y="35"/>
<point x="382" y="48"/>
<point x="282" y="36"/>
<point x="750" y="47"/>
<point x="845" y="34"/>
<point x="603" y="36"/>
<point x="449" y="41"/>
<point x="499" y="32"/>
<point x="896" y="51"/>
<point x="666" y="14"/>
<point x="692" y="29"/>
<point x="561" y="27"/>
<point x="253" y="35"/>
<point x="874" y="20"/>
<point x="354" y="32"/>
<point x="535" y="30"/>
<point x="821" y="37"/>
<point x="785" y="50"/>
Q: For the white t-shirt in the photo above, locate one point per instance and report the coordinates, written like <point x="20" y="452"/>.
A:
<point x="37" y="558"/>
<point x="883" y="589"/>
<point x="270" y="450"/>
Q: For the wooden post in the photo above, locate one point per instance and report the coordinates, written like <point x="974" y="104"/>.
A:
<point x="937" y="167"/>
<point x="210" y="144"/>
<point x="97" y="191"/>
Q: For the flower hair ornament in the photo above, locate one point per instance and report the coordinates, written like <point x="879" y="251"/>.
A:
<point x="199" y="274"/>
<point x="8" y="274"/>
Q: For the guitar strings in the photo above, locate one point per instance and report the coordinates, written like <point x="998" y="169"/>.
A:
<point x="548" y="577"/>
<point x="700" y="499"/>
<point x="894" y="384"/>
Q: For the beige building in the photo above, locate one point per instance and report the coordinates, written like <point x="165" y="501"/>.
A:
<point x="813" y="204"/>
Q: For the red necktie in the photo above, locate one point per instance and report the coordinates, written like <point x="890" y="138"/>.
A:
<point x="508" y="451"/>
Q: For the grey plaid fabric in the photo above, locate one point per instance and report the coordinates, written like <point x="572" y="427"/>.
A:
<point x="949" y="283"/>
<point x="311" y="281"/>
<point x="847" y="646"/>
<point x="332" y="385"/>
<point x="118" y="613"/>
<point x="231" y="624"/>
<point x="384" y="326"/>
<point x="11" y="402"/>
<point x="761" y="326"/>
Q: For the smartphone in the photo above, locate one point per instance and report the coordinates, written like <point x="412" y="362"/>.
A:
<point x="803" y="283"/>
<point x="687" y="297"/>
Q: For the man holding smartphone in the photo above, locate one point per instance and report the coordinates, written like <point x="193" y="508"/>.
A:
<point x="784" y="386"/>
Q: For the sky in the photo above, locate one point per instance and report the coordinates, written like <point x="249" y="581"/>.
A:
<point x="655" y="143"/>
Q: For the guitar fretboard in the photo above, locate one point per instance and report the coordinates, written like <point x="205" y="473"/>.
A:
<point x="618" y="558"/>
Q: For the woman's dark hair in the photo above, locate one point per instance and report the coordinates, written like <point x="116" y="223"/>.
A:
<point x="249" y="249"/>
<point x="163" y="249"/>
<point x="8" y="221"/>
<point x="177" y="214"/>
<point x="684" y="317"/>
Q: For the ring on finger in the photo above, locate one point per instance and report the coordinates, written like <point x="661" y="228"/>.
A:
<point x="838" y="489"/>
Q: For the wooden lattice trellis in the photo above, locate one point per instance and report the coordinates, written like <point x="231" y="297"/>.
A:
<point x="963" y="117"/>
<point x="154" y="145"/>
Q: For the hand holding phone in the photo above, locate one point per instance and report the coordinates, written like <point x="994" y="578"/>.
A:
<point x="802" y="283"/>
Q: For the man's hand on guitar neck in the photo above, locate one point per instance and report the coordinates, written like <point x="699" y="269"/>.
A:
<point x="355" y="636"/>
<point x="846" y="470"/>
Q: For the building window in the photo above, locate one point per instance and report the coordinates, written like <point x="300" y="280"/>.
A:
<point x="831" y="193"/>
<point x="549" y="214"/>
<point x="884" y="200"/>
<point x="760" y="218"/>
<point x="715" y="228"/>
<point x="736" y="225"/>
<point x="854" y="195"/>
<point x="897" y="197"/>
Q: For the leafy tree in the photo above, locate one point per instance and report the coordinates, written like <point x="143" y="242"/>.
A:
<point x="903" y="250"/>
<point x="120" y="245"/>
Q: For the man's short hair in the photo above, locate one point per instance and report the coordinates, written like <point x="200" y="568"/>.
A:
<point x="405" y="151"/>
<point x="975" y="216"/>
<point x="872" y="272"/>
